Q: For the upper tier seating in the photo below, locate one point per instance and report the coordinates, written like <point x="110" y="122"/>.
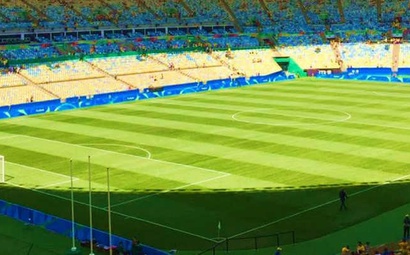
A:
<point x="60" y="16"/>
<point x="34" y="52"/>
<point x="393" y="9"/>
<point x="208" y="11"/>
<point x="249" y="12"/>
<point x="321" y="11"/>
<point x="16" y="15"/>
<point x="359" y="14"/>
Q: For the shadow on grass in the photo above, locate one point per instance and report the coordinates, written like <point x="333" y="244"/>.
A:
<point x="189" y="219"/>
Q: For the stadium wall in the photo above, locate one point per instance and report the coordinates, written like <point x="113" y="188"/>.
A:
<point x="64" y="227"/>
<point x="370" y="74"/>
<point x="134" y="95"/>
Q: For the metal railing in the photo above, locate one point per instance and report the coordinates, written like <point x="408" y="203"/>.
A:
<point x="251" y="243"/>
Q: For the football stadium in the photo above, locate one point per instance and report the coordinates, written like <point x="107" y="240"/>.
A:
<point x="161" y="127"/>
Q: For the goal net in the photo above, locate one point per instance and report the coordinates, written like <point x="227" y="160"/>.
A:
<point x="2" y="170"/>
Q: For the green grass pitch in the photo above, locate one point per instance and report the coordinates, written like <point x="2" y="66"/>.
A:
<point x="259" y="159"/>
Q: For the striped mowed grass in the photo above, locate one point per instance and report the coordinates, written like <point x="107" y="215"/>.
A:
<point x="259" y="159"/>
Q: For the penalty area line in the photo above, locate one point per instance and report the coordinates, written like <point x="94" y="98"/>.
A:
<point x="316" y="207"/>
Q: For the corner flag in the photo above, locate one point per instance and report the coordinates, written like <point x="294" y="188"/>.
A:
<point x="219" y="229"/>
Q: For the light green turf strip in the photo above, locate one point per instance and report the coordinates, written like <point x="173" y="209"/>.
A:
<point x="300" y="142"/>
<point x="313" y="167"/>
<point x="340" y="129"/>
<point x="194" y="176"/>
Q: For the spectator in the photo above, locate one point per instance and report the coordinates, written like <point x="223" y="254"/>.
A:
<point x="360" y="249"/>
<point x="278" y="251"/>
<point x="120" y="248"/>
<point x="406" y="227"/>
<point x="367" y="248"/>
<point x="386" y="251"/>
<point x="343" y="197"/>
<point x="403" y="245"/>
<point x="346" y="250"/>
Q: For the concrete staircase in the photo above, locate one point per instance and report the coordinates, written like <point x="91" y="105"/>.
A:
<point x="144" y="5"/>
<point x="341" y="11"/>
<point x="112" y="19"/>
<point x="379" y="9"/>
<point x="304" y="11"/>
<point x="266" y="9"/>
<point x="396" y="57"/>
<point x="32" y="83"/>
<point x="336" y="50"/>
<point x="106" y="74"/>
<point x="231" y="15"/>
<point x="39" y="11"/>
<point x="186" y="7"/>
<point x="78" y="13"/>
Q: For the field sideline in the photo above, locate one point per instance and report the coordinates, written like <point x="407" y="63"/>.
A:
<point x="259" y="159"/>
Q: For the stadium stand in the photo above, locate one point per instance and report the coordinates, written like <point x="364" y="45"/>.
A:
<point x="111" y="46"/>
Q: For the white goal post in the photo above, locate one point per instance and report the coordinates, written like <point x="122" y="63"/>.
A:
<point x="2" y="170"/>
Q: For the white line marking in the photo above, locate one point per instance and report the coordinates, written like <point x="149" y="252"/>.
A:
<point x="56" y="184"/>
<point x="121" y="214"/>
<point x="315" y="207"/>
<point x="234" y="117"/>
<point x="169" y="190"/>
<point x="124" y="154"/>
<point x="149" y="154"/>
